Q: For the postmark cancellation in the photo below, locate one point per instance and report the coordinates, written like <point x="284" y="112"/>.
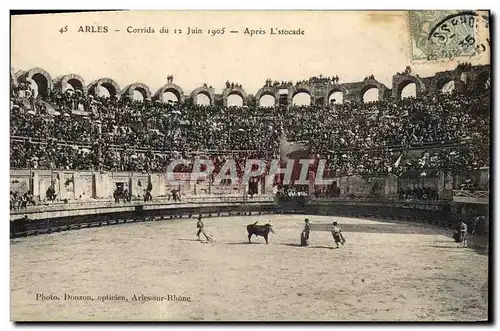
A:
<point x="447" y="34"/>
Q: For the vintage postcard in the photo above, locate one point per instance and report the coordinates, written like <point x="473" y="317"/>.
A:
<point x="250" y="166"/>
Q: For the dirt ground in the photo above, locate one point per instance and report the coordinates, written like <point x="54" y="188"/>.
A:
<point x="403" y="272"/>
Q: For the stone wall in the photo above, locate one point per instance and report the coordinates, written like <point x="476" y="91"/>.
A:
<point x="86" y="185"/>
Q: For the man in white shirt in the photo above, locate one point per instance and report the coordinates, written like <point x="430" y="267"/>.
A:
<point x="463" y="234"/>
<point x="201" y="229"/>
<point x="337" y="234"/>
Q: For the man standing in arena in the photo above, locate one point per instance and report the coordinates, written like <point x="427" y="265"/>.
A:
<point x="463" y="234"/>
<point x="305" y="233"/>
<point x="337" y="234"/>
<point x="201" y="229"/>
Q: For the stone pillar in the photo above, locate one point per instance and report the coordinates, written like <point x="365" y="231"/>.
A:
<point x="193" y="187"/>
<point x="34" y="184"/>
<point x="109" y="185"/>
<point x="59" y="180"/>
<point x="391" y="186"/>
<point x="484" y="177"/>
<point x="268" y="188"/>
<point x="78" y="187"/>
<point x="42" y="187"/>
<point x="441" y="183"/>
<point x="103" y="187"/>
<point x="97" y="182"/>
<point x="312" y="180"/>
<point x="445" y="184"/>
<point x="155" y="181"/>
<point x="132" y="188"/>
<point x="162" y="184"/>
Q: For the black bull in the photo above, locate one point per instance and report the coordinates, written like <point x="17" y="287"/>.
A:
<point x="259" y="230"/>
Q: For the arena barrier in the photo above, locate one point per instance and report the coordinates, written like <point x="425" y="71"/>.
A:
<point x="59" y="218"/>
<point x="63" y="217"/>
<point x="431" y="212"/>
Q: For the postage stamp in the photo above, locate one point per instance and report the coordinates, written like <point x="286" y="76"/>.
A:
<point x="438" y="34"/>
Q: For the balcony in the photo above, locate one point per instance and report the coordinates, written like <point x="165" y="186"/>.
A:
<point x="478" y="197"/>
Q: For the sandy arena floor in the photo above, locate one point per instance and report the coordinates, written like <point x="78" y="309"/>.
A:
<point x="415" y="273"/>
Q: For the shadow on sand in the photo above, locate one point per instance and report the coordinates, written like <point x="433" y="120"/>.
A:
<point x="246" y="243"/>
<point x="298" y="245"/>
<point x="290" y="245"/>
<point x="445" y="247"/>
<point x="444" y="241"/>
<point x="187" y="239"/>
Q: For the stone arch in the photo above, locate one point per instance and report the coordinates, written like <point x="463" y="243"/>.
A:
<point x="143" y="89"/>
<point x="332" y="89"/>
<point x="75" y="81"/>
<point x="299" y="88"/>
<point x="234" y="90"/>
<point x="18" y="75"/>
<point x="170" y="87"/>
<point x="209" y="92"/>
<point x="108" y="83"/>
<point x="267" y="90"/>
<point x="441" y="79"/>
<point x="481" y="78"/>
<point x="372" y="83"/>
<point x="13" y="81"/>
<point x="440" y="83"/>
<point x="399" y="82"/>
<point x="40" y="77"/>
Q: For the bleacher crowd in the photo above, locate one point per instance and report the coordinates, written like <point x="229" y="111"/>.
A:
<point x="85" y="132"/>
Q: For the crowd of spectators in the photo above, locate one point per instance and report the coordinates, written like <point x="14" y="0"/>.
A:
<point x="84" y="132"/>
<point x="290" y="191"/>
<point x="21" y="201"/>
<point x="418" y="193"/>
<point x="360" y="137"/>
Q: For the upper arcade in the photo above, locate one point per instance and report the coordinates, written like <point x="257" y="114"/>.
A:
<point x="317" y="91"/>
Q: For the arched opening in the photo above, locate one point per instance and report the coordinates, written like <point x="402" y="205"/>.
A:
<point x="75" y="84"/>
<point x="202" y="99"/>
<point x="105" y="87"/>
<point x="409" y="91"/>
<point x="234" y="100"/>
<point x="169" y="96"/>
<point x="68" y="89"/>
<point x="137" y="96"/>
<point x="41" y="85"/>
<point x="336" y="97"/>
<point x="370" y="95"/>
<point x="267" y="100"/>
<point x="448" y="87"/>
<point x="301" y="99"/>
<point x="34" y="88"/>
<point x="483" y="81"/>
<point x="103" y="92"/>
